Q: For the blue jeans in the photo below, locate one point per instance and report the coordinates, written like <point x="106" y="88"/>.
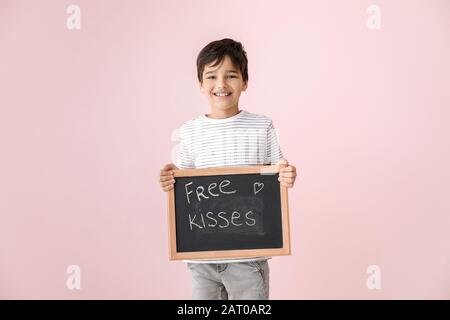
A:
<point x="230" y="281"/>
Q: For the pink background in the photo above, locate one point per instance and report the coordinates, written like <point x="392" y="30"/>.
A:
<point x="88" y="117"/>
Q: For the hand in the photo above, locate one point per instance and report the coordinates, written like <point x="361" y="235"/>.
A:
<point x="166" y="179"/>
<point x="287" y="174"/>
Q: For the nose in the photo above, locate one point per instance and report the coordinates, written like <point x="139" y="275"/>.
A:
<point x="221" y="83"/>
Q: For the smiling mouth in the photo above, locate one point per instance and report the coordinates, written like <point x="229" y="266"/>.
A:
<point x="222" y="94"/>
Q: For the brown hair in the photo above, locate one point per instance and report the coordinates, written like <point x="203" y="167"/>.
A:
<point x="217" y="50"/>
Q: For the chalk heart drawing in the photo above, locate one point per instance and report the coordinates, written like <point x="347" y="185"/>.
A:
<point x="257" y="187"/>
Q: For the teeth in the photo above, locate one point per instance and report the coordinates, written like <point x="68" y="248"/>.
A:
<point x="222" y="94"/>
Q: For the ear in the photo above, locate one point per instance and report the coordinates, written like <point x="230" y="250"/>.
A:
<point x="245" y="86"/>
<point x="200" y="85"/>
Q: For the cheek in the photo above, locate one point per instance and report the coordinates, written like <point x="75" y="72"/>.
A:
<point x="237" y="93"/>
<point x="205" y="90"/>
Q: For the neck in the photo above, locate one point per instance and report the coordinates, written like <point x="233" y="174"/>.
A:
<point x="223" y="114"/>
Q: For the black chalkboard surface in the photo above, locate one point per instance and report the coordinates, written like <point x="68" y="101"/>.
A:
<point x="228" y="212"/>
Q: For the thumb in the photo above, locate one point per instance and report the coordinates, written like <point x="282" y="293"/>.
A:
<point x="283" y="163"/>
<point x="170" y="166"/>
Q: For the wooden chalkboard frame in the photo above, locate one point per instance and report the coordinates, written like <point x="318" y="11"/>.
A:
<point x="264" y="169"/>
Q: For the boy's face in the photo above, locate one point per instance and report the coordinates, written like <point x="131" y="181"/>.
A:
<point x="222" y="85"/>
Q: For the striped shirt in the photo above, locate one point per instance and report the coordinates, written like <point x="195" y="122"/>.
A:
<point x="244" y="139"/>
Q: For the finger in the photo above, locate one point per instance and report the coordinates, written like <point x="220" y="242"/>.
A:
<point x="169" y="166"/>
<point x="168" y="188"/>
<point x="288" y="174"/>
<point x="283" y="162"/>
<point x="167" y="183"/>
<point x="165" y="172"/>
<point x="288" y="168"/>
<point x="165" y="178"/>
<point x="288" y="180"/>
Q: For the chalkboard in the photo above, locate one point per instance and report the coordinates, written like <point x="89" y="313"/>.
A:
<point x="228" y="212"/>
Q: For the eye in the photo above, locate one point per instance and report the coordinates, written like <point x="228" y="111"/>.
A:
<point x="213" y="77"/>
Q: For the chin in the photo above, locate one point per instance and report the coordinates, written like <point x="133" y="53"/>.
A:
<point x="224" y="107"/>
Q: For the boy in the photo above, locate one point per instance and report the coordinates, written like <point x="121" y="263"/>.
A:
<point x="227" y="137"/>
